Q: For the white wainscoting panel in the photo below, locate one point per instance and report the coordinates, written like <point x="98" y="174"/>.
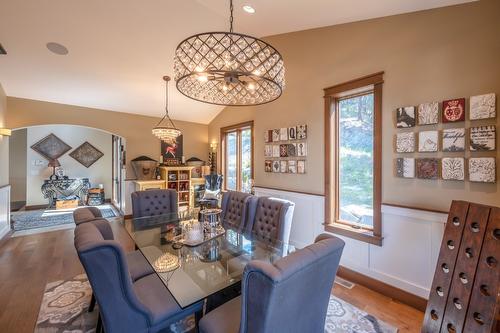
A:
<point x="408" y="256"/>
<point x="4" y="210"/>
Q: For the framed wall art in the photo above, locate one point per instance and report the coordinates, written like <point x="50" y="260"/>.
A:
<point x="405" y="117"/>
<point x="428" y="113"/>
<point x="283" y="166"/>
<point x="453" y="110"/>
<point x="292" y="133"/>
<point x="276" y="150"/>
<point x="292" y="149"/>
<point x="427" y="168"/>
<point x="301" y="149"/>
<point x="268" y="166"/>
<point x="482" y="138"/>
<point x="301" y="166"/>
<point x="482" y="169"/>
<point x="268" y="136"/>
<point x="453" y="139"/>
<point x="283" y="150"/>
<point x="428" y="141"/>
<point x="51" y="147"/>
<point x="276" y="166"/>
<point x="268" y="151"/>
<point x="482" y="107"/>
<point x="86" y="154"/>
<point x="302" y="132"/>
<point x="292" y="166"/>
<point x="405" y="142"/>
<point x="276" y="135"/>
<point x="284" y="134"/>
<point x="405" y="167"/>
<point x="453" y="168"/>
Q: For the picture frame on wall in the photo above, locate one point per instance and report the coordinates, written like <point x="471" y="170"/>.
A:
<point x="453" y="110"/>
<point x="482" y="107"/>
<point x="268" y="166"/>
<point x="405" y="167"/>
<point x="405" y="142"/>
<point x="283" y="166"/>
<point x="428" y="141"/>
<point x="301" y="166"/>
<point x="292" y="133"/>
<point x="301" y="132"/>
<point x="482" y="169"/>
<point x="428" y="113"/>
<point x="482" y="138"/>
<point x="405" y="117"/>
<point x="283" y="150"/>
<point x="276" y="166"/>
<point x="268" y="151"/>
<point x="268" y="136"/>
<point x="276" y="135"/>
<point x="284" y="134"/>
<point x="276" y="150"/>
<point x="292" y="149"/>
<point x="453" y="168"/>
<point x="302" y="149"/>
<point x="453" y="140"/>
<point x="427" y="168"/>
<point x="292" y="166"/>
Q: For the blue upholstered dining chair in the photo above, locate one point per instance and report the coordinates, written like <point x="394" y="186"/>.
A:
<point x="154" y="202"/>
<point x="237" y="209"/>
<point x="272" y="220"/>
<point x="144" y="305"/>
<point x="291" y="295"/>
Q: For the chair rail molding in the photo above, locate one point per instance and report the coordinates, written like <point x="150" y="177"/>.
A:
<point x="406" y="260"/>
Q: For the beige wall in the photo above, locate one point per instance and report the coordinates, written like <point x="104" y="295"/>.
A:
<point x="18" y="153"/>
<point x="135" y="129"/>
<point x="4" y="141"/>
<point x="427" y="56"/>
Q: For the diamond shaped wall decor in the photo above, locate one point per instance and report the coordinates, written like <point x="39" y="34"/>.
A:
<point x="86" y="154"/>
<point x="51" y="147"/>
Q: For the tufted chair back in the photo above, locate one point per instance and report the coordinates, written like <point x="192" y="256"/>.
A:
<point x="273" y="220"/>
<point x="107" y="270"/>
<point x="237" y="208"/>
<point x="154" y="202"/>
<point x="292" y="294"/>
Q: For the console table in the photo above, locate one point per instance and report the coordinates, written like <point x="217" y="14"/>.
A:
<point x="62" y="188"/>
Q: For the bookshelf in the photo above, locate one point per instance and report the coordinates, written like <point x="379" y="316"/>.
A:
<point x="179" y="178"/>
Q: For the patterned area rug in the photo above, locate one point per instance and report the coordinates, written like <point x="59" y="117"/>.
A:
<point x="31" y="219"/>
<point x="65" y="303"/>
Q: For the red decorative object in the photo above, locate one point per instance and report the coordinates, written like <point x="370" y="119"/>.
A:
<point x="454" y="110"/>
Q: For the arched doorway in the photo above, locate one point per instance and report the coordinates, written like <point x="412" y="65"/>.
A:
<point x="82" y="153"/>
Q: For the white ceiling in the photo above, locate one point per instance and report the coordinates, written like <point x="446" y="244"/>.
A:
<point x="120" y="49"/>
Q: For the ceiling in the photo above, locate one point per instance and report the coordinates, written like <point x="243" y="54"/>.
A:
<point x="120" y="49"/>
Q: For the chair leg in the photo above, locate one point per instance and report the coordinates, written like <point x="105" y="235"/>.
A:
<point x="92" y="303"/>
<point x="197" y="318"/>
<point x="98" y="328"/>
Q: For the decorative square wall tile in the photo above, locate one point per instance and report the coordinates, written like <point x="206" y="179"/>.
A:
<point x="482" y="107"/>
<point x="405" y="142"/>
<point x="483" y="138"/>
<point x="454" y="110"/>
<point x="427" y="168"/>
<point x="268" y="136"/>
<point x="276" y="166"/>
<point x="284" y="150"/>
<point x="482" y="169"/>
<point x="428" y="141"/>
<point x="405" y="117"/>
<point x="301" y="132"/>
<point x="301" y="149"/>
<point x="301" y="166"/>
<point x="283" y="166"/>
<point x="428" y="113"/>
<point x="268" y="151"/>
<point x="284" y="134"/>
<point x="454" y="139"/>
<point x="268" y="166"/>
<point x="51" y="147"/>
<point x="292" y="149"/>
<point x="453" y="168"/>
<point x="292" y="166"/>
<point x="276" y="150"/>
<point x="276" y="135"/>
<point x="292" y="133"/>
<point x="405" y="167"/>
<point x="86" y="154"/>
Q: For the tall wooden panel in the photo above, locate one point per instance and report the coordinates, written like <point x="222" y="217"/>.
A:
<point x="464" y="291"/>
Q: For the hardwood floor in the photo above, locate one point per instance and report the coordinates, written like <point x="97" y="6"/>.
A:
<point x="28" y="263"/>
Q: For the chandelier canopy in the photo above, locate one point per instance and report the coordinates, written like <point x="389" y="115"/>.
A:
<point x="167" y="132"/>
<point x="228" y="68"/>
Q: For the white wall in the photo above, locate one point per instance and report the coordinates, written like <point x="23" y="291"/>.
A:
<point x="407" y="259"/>
<point x="37" y="171"/>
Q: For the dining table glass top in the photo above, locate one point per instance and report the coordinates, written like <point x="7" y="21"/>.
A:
<point x="193" y="272"/>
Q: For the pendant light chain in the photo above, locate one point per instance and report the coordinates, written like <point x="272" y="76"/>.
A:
<point x="231" y="16"/>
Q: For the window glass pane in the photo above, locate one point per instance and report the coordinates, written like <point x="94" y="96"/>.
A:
<point x="231" y="160"/>
<point x="356" y="159"/>
<point x="246" y="160"/>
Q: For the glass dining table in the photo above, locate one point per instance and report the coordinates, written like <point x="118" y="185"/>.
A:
<point x="204" y="271"/>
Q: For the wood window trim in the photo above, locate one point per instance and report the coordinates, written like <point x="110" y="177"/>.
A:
<point x="222" y="140"/>
<point x="332" y="94"/>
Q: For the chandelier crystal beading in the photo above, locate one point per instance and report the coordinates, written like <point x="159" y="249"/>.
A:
<point x="167" y="132"/>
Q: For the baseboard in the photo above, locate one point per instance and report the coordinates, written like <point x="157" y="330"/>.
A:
<point x="36" y="207"/>
<point x="385" y="289"/>
<point x="5" y="237"/>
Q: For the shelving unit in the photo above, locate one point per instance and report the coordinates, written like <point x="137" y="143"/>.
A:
<point x="179" y="178"/>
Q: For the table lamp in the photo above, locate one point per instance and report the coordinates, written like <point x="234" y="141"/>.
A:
<point x="54" y="164"/>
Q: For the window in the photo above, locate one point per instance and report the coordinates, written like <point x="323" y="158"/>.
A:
<point x="237" y="156"/>
<point x="353" y="153"/>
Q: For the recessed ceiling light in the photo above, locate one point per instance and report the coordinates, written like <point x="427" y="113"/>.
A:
<point x="249" y="9"/>
<point x="57" y="48"/>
